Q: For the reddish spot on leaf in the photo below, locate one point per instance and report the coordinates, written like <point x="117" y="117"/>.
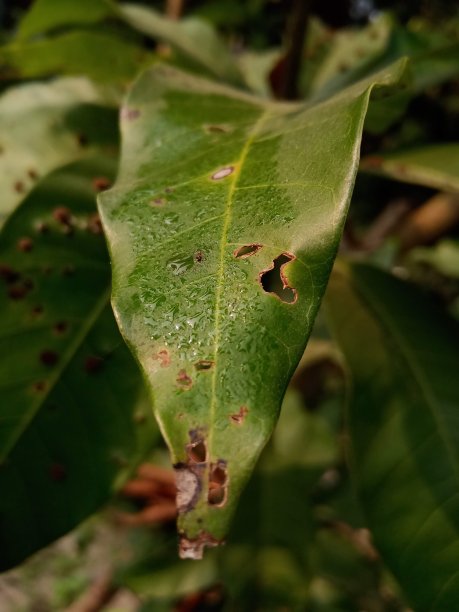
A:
<point x="60" y="327"/>
<point x="19" y="187"/>
<point x="100" y="183"/>
<point x="184" y="381"/>
<point x="39" y="386"/>
<point x="18" y="292"/>
<point x="199" y="256"/>
<point x="57" y="472"/>
<point x="129" y="114"/>
<point x="25" y="245"/>
<point x="239" y="417"/>
<point x="94" y="224"/>
<point x="247" y="250"/>
<point x="157" y="202"/>
<point x="49" y="358"/>
<point x="63" y="215"/>
<point x="37" y="310"/>
<point x="163" y="357"/>
<point x="8" y="274"/>
<point x="33" y="174"/>
<point x="93" y="364"/>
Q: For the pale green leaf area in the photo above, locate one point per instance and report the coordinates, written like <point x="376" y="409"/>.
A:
<point x="444" y="257"/>
<point x="403" y="419"/>
<point x="102" y="56"/>
<point x="45" y="15"/>
<point x="214" y="186"/>
<point x="46" y="125"/>
<point x="435" y="166"/>
<point x="195" y="39"/>
<point x="74" y="414"/>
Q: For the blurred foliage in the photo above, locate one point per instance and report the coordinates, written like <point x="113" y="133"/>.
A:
<point x="301" y="539"/>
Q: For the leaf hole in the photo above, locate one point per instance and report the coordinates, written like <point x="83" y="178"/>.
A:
<point x="184" y="381"/>
<point x="273" y="280"/>
<point x="217" y="484"/>
<point x="197" y="451"/>
<point x="247" y="250"/>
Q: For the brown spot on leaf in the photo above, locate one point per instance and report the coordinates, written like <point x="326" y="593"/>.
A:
<point x="19" y="187"/>
<point x="63" y="215"/>
<point x="203" y="365"/>
<point x="199" y="256"/>
<point x="18" y="292"/>
<point x="157" y="202"/>
<point x="25" y="245"/>
<point x="37" y="310"/>
<point x="216" y="129"/>
<point x="39" y="386"/>
<point x="94" y="224"/>
<point x="163" y="357"/>
<point x="42" y="228"/>
<point x="93" y="364"/>
<point x="82" y="139"/>
<point x="194" y="548"/>
<point x="247" y="250"/>
<point x="60" y="328"/>
<point x="49" y="358"/>
<point x="57" y="472"/>
<point x="129" y="114"/>
<point x="184" y="381"/>
<point x="273" y="280"/>
<point x="100" y="183"/>
<point x="33" y="174"/>
<point x="239" y="417"/>
<point x="8" y="274"/>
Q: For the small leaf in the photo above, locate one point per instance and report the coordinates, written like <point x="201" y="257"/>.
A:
<point x="223" y="224"/>
<point x="46" y="125"/>
<point x="403" y="421"/>
<point x="435" y="166"/>
<point x="73" y="415"/>
<point x="45" y="15"/>
<point x="102" y="56"/>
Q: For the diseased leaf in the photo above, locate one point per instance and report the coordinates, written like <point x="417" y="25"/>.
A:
<point x="73" y="414"/>
<point x="223" y="225"/>
<point x="434" y="166"/>
<point x="46" y="125"/>
<point x="102" y="56"/>
<point x="404" y="426"/>
<point x="195" y="39"/>
<point x="45" y="15"/>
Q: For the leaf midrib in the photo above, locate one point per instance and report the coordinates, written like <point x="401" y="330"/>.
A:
<point x="221" y="267"/>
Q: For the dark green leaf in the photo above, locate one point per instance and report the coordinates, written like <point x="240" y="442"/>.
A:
<point x="404" y="426"/>
<point x="216" y="191"/>
<point x="73" y="414"/>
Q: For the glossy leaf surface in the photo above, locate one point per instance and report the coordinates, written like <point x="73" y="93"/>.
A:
<point x="434" y="166"/>
<point x="46" y="125"/>
<point x="73" y="416"/>
<point x="223" y="225"/>
<point x="404" y="426"/>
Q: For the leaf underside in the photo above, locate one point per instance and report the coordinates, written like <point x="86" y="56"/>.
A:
<point x="403" y="421"/>
<point x="223" y="225"/>
<point x="72" y="415"/>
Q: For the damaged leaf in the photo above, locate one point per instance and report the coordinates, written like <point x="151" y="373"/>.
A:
<point x="269" y="192"/>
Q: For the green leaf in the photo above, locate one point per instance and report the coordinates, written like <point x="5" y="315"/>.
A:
<point x="435" y="166"/>
<point x="73" y="414"/>
<point x="46" y="125"/>
<point x="45" y="15"/>
<point x="195" y="39"/>
<point x="403" y="421"/>
<point x="215" y="190"/>
<point x="102" y="56"/>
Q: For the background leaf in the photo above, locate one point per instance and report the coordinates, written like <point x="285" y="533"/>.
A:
<point x="208" y="175"/>
<point x="74" y="416"/>
<point x="46" y="125"/>
<point x="403" y="417"/>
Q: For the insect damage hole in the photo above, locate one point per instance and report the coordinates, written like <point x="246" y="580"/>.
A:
<point x="217" y="484"/>
<point x="203" y="365"/>
<point x="197" y="452"/>
<point x="273" y="280"/>
<point x="247" y="250"/>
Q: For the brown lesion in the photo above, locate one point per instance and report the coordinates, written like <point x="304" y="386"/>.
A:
<point x="247" y="250"/>
<point x="184" y="381"/>
<point x="239" y="417"/>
